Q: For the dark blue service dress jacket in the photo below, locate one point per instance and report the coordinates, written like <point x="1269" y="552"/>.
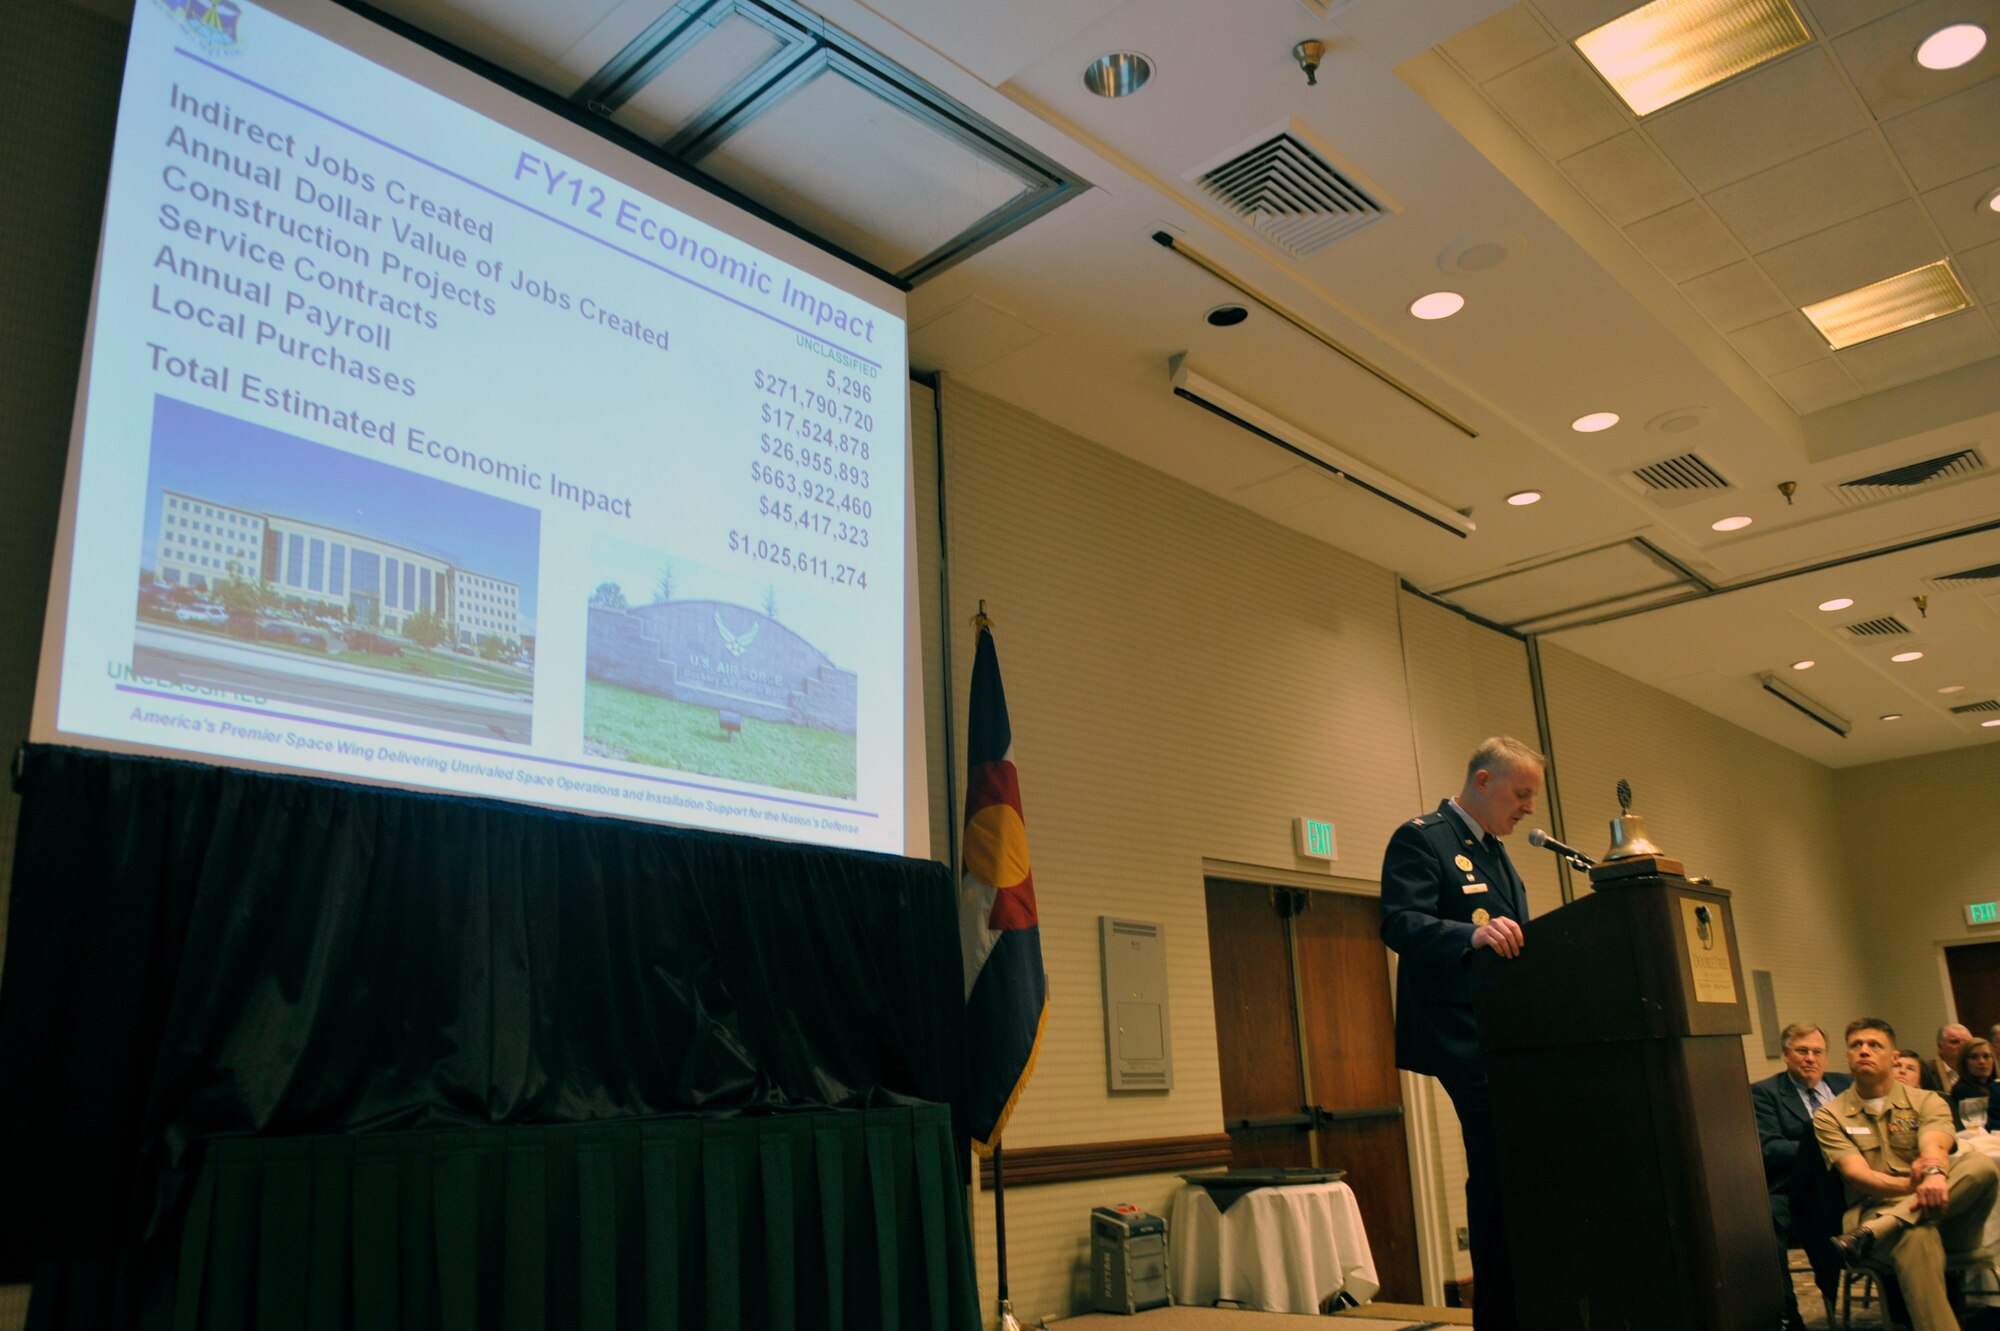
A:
<point x="1804" y="1194"/>
<point x="1427" y="904"/>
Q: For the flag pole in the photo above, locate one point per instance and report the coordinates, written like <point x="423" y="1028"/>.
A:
<point x="1006" y="1322"/>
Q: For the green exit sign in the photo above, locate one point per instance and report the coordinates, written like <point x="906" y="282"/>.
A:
<point x="1983" y="912"/>
<point x="1316" y="839"/>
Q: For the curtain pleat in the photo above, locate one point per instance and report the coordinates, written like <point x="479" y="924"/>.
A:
<point x="748" y="1222"/>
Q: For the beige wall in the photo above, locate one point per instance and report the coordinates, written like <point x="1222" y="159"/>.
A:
<point x="1184" y="678"/>
<point x="1760" y="820"/>
<point x="1920" y="843"/>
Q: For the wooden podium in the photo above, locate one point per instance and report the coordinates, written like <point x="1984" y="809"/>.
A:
<point x="1633" y="1184"/>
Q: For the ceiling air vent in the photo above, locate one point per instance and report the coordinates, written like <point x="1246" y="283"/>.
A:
<point x="1291" y="196"/>
<point x="1888" y="626"/>
<point x="1677" y="480"/>
<point x="1989" y="705"/>
<point x="1967" y="577"/>
<point x="1909" y="477"/>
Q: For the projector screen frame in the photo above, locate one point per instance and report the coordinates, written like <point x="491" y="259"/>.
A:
<point x="481" y="87"/>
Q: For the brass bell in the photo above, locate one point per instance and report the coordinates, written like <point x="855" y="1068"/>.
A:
<point x="1628" y="830"/>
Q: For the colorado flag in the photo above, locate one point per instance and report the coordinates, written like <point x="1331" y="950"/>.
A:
<point x="1006" y="996"/>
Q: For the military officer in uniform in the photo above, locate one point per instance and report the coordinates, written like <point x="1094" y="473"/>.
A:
<point x="1915" y="1196"/>
<point x="1448" y="889"/>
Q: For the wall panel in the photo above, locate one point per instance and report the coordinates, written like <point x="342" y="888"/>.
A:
<point x="1760" y="820"/>
<point x="1920" y="843"/>
<point x="1184" y="677"/>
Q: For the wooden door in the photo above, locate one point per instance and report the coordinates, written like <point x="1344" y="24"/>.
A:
<point x="1975" y="989"/>
<point x="1306" y="1038"/>
<point x="1350" y="1041"/>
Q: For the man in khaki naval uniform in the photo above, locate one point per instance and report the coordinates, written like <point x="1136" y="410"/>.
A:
<point x="1912" y="1194"/>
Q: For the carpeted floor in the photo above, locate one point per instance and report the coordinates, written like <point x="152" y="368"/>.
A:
<point x="1867" y="1309"/>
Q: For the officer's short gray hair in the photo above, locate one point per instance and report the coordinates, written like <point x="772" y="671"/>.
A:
<point x="1502" y="753"/>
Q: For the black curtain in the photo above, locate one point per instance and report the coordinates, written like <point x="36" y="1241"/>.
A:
<point x="196" y="951"/>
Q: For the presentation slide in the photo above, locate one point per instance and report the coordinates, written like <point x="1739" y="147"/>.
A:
<point x="417" y="447"/>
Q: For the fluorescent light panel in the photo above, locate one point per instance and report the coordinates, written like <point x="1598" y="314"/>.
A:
<point x="1884" y="307"/>
<point x="1670" y="49"/>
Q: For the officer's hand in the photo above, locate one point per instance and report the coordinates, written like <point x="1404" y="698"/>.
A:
<point x="1501" y="934"/>
<point x="1932" y="1194"/>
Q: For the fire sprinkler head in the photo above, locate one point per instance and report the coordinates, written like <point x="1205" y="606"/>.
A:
<point x="1309" y="53"/>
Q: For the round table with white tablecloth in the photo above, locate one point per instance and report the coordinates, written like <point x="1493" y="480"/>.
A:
<point x="1286" y="1249"/>
<point x="1986" y="1143"/>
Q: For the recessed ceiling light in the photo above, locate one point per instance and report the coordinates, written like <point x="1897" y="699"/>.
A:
<point x="1737" y="523"/>
<point x="1522" y="498"/>
<point x="1991" y="203"/>
<point x="1804" y="665"/>
<point x="1951" y="46"/>
<point x="1994" y="722"/>
<point x="1952" y="688"/>
<point x="1901" y="657"/>
<point x="1670" y="49"/>
<point x="1595" y="421"/>
<point x="1227" y="316"/>
<point x="1118" y="74"/>
<point x="1437" y="305"/>
<point x="1892" y="716"/>
<point x="1837" y="603"/>
<point x="1885" y="307"/>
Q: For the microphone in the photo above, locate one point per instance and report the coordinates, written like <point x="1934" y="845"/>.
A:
<point x="1540" y="838"/>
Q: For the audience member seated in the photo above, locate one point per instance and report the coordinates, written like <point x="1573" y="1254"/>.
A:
<point x="1914" y="1196"/>
<point x="1942" y="1071"/>
<point x="1993" y="1036"/>
<point x="1910" y="1067"/>
<point x="1974" y="1088"/>
<point x="1805" y="1197"/>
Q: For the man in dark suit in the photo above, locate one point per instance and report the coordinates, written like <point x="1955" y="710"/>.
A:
<point x="1805" y="1196"/>
<point x="1449" y="889"/>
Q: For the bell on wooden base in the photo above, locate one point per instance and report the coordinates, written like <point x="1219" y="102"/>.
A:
<point x="1628" y="830"/>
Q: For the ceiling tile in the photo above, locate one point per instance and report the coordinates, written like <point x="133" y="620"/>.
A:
<point x="969" y="335"/>
<point x="1736" y="296"/>
<point x="1815" y="386"/>
<point x="517" y="35"/>
<point x="998" y="42"/>
<point x="1867" y="249"/>
<point x="1752" y="123"/>
<point x="1825" y="187"/>
<point x="1960" y="210"/>
<point x="1558" y="103"/>
<point x="1880" y="57"/>
<point x="1626" y="178"/>
<point x="1838" y="16"/>
<point x="1573" y="18"/>
<point x="1950" y="138"/>
<point x="1920" y="352"/>
<point x="1979" y="269"/>
<point x="1510" y="38"/>
<point x="1780" y="344"/>
<point x="1685" y="241"/>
